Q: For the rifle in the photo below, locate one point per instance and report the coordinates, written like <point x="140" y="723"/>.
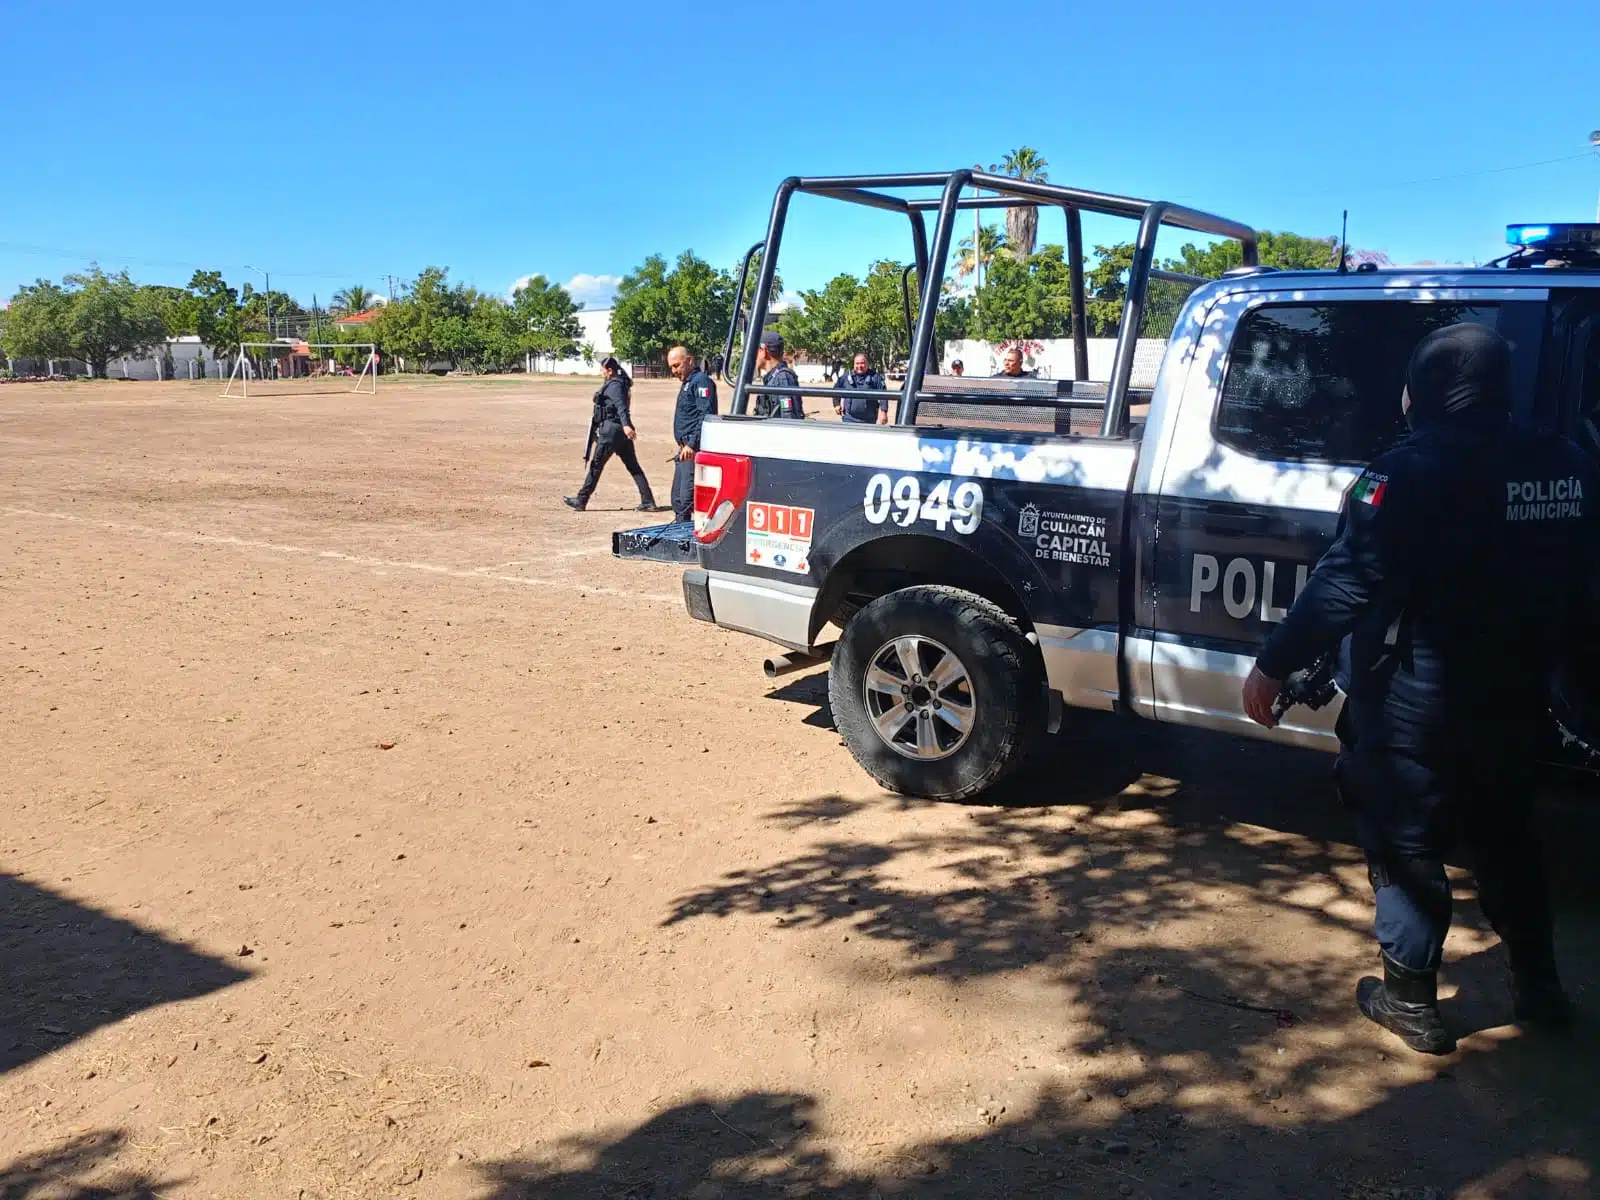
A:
<point x="588" y="447"/>
<point x="1313" y="686"/>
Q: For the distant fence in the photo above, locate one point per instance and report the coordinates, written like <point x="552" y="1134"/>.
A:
<point x="181" y="358"/>
<point x="1053" y="359"/>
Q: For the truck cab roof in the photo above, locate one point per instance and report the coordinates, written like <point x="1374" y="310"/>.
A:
<point x="1272" y="279"/>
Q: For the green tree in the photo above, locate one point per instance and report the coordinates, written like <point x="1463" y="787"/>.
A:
<point x="874" y="319"/>
<point x="1025" y="299"/>
<point x="1022" y="223"/>
<point x="37" y="322"/>
<point x="545" y="318"/>
<point x="656" y="309"/>
<point x="991" y="242"/>
<point x="1286" y="251"/>
<point x="351" y="300"/>
<point x="817" y="327"/>
<point x="286" y="313"/>
<point x="212" y="313"/>
<point x="1105" y="285"/>
<point x="413" y="327"/>
<point x="107" y="317"/>
<point x="170" y="305"/>
<point x="1106" y="279"/>
<point x="954" y="322"/>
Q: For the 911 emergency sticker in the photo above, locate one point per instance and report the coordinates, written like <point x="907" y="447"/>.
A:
<point x="957" y="507"/>
<point x="778" y="537"/>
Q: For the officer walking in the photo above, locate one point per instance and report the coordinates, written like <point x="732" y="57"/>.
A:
<point x="861" y="410"/>
<point x="776" y="373"/>
<point x="1459" y="576"/>
<point x="611" y="432"/>
<point x="697" y="399"/>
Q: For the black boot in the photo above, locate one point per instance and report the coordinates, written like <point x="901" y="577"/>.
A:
<point x="1406" y="1003"/>
<point x="1537" y="997"/>
<point x="574" y="503"/>
<point x="647" y="506"/>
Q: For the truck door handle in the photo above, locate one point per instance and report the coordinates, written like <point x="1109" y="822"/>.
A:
<point x="1240" y="522"/>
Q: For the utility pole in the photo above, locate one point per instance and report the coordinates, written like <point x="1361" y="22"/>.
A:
<point x="1594" y="140"/>
<point x="268" y="295"/>
<point x="977" y="245"/>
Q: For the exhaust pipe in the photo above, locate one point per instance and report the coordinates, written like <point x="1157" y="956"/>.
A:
<point x="796" y="660"/>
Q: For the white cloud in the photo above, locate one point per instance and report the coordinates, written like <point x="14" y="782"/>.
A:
<point x="591" y="291"/>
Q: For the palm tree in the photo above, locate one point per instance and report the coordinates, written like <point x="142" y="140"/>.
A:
<point x="353" y="299"/>
<point x="1022" y="224"/>
<point x="990" y="242"/>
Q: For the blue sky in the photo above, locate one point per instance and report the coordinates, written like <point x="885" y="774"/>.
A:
<point x="500" y="140"/>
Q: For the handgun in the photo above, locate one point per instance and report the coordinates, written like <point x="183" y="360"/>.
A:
<point x="1313" y="686"/>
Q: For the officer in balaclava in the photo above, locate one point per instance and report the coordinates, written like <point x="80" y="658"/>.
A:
<point x="1462" y="571"/>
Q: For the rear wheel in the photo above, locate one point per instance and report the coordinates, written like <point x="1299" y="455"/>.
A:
<point x="936" y="691"/>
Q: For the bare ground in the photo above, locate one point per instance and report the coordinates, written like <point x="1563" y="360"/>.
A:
<point x="367" y="831"/>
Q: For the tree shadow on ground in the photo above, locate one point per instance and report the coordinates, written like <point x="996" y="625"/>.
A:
<point x="1215" y="1060"/>
<point x="761" y="1146"/>
<point x="69" y="969"/>
<point x="67" y="1172"/>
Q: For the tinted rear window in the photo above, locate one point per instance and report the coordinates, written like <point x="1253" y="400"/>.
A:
<point x="1322" y="382"/>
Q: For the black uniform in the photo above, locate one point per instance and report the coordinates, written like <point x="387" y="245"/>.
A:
<point x="781" y="375"/>
<point x="611" y="414"/>
<point x="1460" y="575"/>
<point x="697" y="399"/>
<point x="862" y="410"/>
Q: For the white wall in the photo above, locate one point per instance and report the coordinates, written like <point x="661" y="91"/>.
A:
<point x="596" y="325"/>
<point x="1054" y="360"/>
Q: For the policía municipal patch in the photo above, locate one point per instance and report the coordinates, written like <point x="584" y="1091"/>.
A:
<point x="1369" y="489"/>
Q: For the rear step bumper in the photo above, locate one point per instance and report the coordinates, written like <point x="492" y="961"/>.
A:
<point x="672" y="543"/>
<point x="697" y="595"/>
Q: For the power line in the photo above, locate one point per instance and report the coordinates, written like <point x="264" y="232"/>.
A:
<point x="1404" y="183"/>
<point x="135" y="260"/>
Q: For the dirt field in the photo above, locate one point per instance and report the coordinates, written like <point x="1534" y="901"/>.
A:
<point x="368" y="831"/>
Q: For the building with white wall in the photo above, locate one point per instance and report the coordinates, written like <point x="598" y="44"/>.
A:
<point x="594" y="343"/>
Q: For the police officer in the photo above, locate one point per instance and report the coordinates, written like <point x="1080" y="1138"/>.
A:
<point x="1459" y="576"/>
<point x="861" y="410"/>
<point x="776" y="373"/>
<point x="611" y="432"/>
<point x="697" y="399"/>
<point x="1011" y="365"/>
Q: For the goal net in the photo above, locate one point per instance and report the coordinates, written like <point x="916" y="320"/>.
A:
<point x="306" y="368"/>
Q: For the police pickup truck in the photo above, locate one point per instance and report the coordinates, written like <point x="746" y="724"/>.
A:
<point x="1008" y="549"/>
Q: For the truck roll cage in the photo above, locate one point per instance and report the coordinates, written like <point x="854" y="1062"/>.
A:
<point x="929" y="261"/>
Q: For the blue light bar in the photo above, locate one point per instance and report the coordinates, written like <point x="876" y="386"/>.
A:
<point x="1568" y="235"/>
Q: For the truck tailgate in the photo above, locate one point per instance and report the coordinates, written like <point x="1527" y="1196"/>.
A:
<point x="673" y="543"/>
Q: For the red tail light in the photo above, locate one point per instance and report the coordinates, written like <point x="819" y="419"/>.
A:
<point x="721" y="483"/>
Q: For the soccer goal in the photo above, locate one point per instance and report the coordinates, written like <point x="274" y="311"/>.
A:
<point x="304" y="368"/>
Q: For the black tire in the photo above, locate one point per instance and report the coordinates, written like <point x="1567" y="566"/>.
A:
<point x="1006" y="691"/>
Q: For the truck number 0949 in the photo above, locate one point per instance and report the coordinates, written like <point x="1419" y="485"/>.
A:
<point x="959" y="510"/>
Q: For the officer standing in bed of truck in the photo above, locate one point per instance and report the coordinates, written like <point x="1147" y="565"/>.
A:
<point x="1460" y="574"/>
<point x="697" y="400"/>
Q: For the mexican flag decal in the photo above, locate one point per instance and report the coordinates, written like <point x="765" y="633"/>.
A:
<point x="1369" y="489"/>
